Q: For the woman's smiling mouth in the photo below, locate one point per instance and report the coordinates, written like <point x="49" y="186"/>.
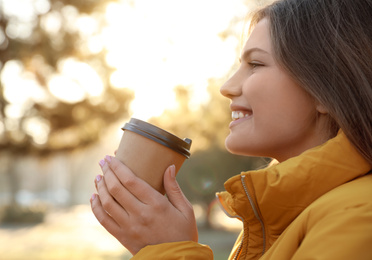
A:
<point x="240" y="114"/>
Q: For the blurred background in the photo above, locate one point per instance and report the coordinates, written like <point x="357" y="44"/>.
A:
<point x="72" y="72"/>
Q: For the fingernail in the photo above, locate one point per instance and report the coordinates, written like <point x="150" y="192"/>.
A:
<point x="108" y="158"/>
<point x="173" y="171"/>
<point x="98" y="178"/>
<point x="93" y="197"/>
<point x="102" y="163"/>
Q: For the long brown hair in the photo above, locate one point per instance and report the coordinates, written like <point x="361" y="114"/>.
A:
<point x="326" y="45"/>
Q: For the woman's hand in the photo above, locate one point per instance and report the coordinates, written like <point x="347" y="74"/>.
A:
<point x="136" y="214"/>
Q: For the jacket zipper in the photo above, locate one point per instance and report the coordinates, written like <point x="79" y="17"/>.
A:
<point x="239" y="249"/>
<point x="256" y="215"/>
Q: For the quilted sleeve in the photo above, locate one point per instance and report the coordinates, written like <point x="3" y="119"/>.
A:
<point x="186" y="250"/>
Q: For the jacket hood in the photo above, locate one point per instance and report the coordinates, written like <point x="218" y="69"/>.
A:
<point x="282" y="191"/>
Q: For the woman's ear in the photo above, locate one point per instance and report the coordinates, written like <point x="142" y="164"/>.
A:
<point x="321" y="109"/>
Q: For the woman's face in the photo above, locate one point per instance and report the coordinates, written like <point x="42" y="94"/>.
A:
<point x="272" y="115"/>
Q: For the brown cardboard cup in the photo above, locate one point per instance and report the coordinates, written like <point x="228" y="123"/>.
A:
<point x="148" y="151"/>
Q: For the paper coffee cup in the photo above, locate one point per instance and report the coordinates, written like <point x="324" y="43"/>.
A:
<point x="149" y="150"/>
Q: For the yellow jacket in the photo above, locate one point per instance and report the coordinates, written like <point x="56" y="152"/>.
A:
<point x="317" y="205"/>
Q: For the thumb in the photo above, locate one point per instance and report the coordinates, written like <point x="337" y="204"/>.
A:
<point x="173" y="190"/>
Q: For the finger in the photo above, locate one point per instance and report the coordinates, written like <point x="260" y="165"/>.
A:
<point x="136" y="186"/>
<point x="109" y="204"/>
<point x="174" y="192"/>
<point x="130" y="202"/>
<point x="101" y="215"/>
<point x="122" y="196"/>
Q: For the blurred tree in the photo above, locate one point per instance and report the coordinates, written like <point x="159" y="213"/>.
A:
<point x="206" y="171"/>
<point x="206" y="124"/>
<point x="55" y="92"/>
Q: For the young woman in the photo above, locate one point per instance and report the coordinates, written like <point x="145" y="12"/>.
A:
<point x="303" y="96"/>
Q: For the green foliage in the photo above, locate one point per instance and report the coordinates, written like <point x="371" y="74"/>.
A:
<point x="39" y="41"/>
<point x="206" y="171"/>
<point x="16" y="214"/>
<point x="37" y="45"/>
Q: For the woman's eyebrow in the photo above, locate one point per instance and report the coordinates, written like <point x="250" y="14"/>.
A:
<point x="248" y="52"/>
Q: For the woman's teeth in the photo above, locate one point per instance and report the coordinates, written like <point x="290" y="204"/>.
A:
<point x="238" y="114"/>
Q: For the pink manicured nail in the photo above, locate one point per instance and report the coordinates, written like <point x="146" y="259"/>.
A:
<point x="93" y="197"/>
<point x="173" y="171"/>
<point x="102" y="163"/>
<point x="108" y="158"/>
<point x="98" y="178"/>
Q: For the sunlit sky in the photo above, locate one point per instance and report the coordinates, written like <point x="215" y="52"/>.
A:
<point x="161" y="44"/>
<point x="153" y="46"/>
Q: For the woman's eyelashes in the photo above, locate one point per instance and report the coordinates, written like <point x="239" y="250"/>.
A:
<point x="254" y="64"/>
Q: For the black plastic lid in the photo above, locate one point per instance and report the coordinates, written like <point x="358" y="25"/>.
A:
<point x="159" y="135"/>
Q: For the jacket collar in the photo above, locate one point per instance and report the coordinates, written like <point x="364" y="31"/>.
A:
<point x="282" y="191"/>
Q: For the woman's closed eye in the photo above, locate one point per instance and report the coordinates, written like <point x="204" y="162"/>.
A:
<point x="255" y="64"/>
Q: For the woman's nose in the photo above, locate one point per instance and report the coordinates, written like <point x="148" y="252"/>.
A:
<point x="232" y="87"/>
